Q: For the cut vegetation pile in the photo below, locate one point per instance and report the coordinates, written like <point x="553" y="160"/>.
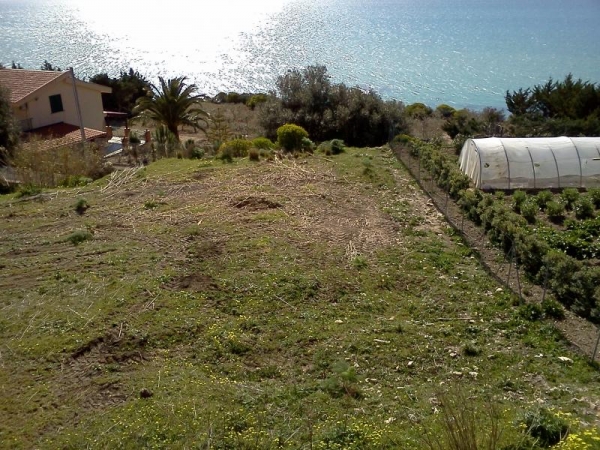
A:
<point x="303" y="303"/>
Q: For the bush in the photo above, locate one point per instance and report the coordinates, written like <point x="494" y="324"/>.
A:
<point x="569" y="196"/>
<point x="28" y="190"/>
<point x="197" y="153"/>
<point x="254" y="154"/>
<point x="263" y="143"/>
<point x="542" y="199"/>
<point x="256" y="100"/>
<point x="308" y="145"/>
<point x="519" y="197"/>
<point x="337" y="146"/>
<point x="594" y="194"/>
<point x="529" y="210"/>
<point x="553" y="309"/>
<point x="555" y="211"/>
<point x="43" y="167"/>
<point x="531" y="311"/>
<point x="236" y="148"/>
<point x="75" y="181"/>
<point x="290" y="136"/>
<point x="79" y="236"/>
<point x="333" y="147"/>
<point x="546" y="427"/>
<point x="81" y="206"/>
<point x="584" y="208"/>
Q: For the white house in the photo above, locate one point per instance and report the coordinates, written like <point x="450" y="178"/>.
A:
<point x="44" y="103"/>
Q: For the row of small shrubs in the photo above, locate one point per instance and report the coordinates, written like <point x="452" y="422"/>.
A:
<point x="556" y="207"/>
<point x="575" y="283"/>
<point x="290" y="138"/>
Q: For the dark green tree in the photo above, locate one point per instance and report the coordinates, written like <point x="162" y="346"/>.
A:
<point x="126" y="89"/>
<point x="463" y="122"/>
<point x="328" y="111"/>
<point x="9" y="129"/>
<point x="418" y="111"/>
<point x="47" y="66"/>
<point x="568" y="107"/>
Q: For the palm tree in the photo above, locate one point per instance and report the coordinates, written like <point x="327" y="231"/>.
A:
<point x="173" y="103"/>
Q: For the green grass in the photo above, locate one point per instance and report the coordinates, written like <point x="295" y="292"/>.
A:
<point x="332" y="320"/>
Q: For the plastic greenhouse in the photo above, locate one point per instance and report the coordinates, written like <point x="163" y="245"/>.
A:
<point x="532" y="163"/>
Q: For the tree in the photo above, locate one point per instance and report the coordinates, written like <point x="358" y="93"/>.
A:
<point x="16" y="65"/>
<point x="329" y="111"/>
<point x="50" y="67"/>
<point x="218" y="131"/>
<point x="9" y="130"/>
<point x="418" y="111"/>
<point x="491" y="119"/>
<point x="463" y="122"/>
<point x="445" y="111"/>
<point x="126" y="89"/>
<point x="568" y="107"/>
<point x="173" y="103"/>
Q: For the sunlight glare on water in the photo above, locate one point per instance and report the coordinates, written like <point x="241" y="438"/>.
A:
<point x="460" y="52"/>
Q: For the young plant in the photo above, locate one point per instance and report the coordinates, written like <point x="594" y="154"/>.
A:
<point x="569" y="197"/>
<point x="529" y="210"/>
<point x="555" y="211"/>
<point x="543" y="198"/>
<point x="81" y="206"/>
<point x="519" y="198"/>
<point x="584" y="208"/>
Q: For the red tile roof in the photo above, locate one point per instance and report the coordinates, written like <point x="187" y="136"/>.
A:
<point x="21" y="83"/>
<point x="62" y="134"/>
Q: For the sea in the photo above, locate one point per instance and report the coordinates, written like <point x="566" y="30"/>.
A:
<point x="465" y="53"/>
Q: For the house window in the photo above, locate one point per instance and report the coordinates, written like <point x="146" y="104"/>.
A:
<point x="56" y="103"/>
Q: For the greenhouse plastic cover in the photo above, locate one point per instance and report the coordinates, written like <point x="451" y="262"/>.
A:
<point x="532" y="163"/>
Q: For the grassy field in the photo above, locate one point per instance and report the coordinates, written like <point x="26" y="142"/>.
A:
<point x="304" y="303"/>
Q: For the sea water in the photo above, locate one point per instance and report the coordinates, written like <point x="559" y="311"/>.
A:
<point x="466" y="53"/>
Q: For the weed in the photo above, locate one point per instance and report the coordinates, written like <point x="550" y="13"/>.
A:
<point x="151" y="204"/>
<point x="28" y="190"/>
<point x="470" y="349"/>
<point x="531" y="311"/>
<point x="253" y="154"/>
<point x="360" y="262"/>
<point x="545" y="426"/>
<point x="462" y="425"/>
<point x="79" y="236"/>
<point x="81" y="206"/>
<point x="553" y="309"/>
<point x="343" y="382"/>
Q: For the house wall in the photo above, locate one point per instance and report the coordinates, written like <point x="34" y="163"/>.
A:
<point x="37" y="106"/>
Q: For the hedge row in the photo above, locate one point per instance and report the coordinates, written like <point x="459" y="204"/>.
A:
<point x="575" y="283"/>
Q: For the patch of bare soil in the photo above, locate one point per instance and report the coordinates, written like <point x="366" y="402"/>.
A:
<point x="255" y="203"/>
<point x="83" y="375"/>
<point x="196" y="282"/>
